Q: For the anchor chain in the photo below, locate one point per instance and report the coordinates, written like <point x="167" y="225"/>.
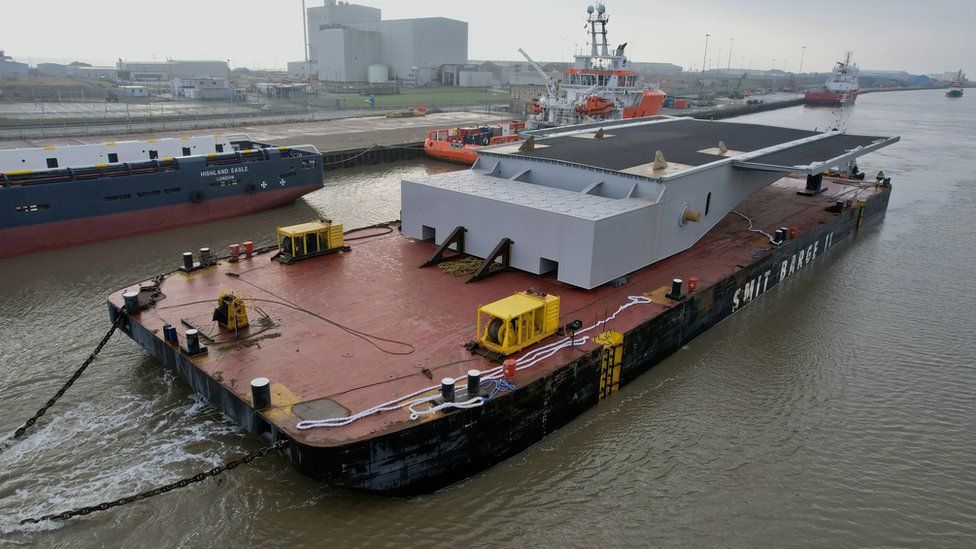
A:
<point x="160" y="490"/>
<point x="119" y="320"/>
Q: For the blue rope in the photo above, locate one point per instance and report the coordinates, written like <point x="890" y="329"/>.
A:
<point x="497" y="386"/>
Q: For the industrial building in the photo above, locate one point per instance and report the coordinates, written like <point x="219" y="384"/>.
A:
<point x="202" y="88"/>
<point x="130" y="92"/>
<point x="352" y="43"/>
<point x="9" y="67"/>
<point x="78" y="70"/>
<point x="164" y="71"/>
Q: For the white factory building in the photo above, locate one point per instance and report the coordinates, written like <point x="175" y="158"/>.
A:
<point x="352" y="43"/>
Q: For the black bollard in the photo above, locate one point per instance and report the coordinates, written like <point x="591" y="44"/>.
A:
<point x="447" y="389"/>
<point x="188" y="261"/>
<point x="169" y="334"/>
<point x="474" y="383"/>
<point x="192" y="342"/>
<point x="676" y="290"/>
<point x="261" y="392"/>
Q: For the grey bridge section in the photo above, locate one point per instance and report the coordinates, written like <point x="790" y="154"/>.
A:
<point x="594" y="209"/>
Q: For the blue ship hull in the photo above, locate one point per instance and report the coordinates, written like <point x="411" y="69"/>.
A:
<point x="56" y="208"/>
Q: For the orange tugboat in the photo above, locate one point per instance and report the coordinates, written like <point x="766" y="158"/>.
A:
<point x="460" y="145"/>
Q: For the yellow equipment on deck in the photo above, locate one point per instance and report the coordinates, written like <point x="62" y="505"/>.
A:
<point x="231" y="312"/>
<point x="511" y="324"/>
<point x="308" y="240"/>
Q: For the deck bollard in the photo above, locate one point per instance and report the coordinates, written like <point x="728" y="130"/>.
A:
<point x="193" y="341"/>
<point x="474" y="383"/>
<point x="447" y="389"/>
<point x="261" y="392"/>
<point x="676" y="290"/>
<point x="131" y="303"/>
<point x="169" y="334"/>
<point x="188" y="261"/>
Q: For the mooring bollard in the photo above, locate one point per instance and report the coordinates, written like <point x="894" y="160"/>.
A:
<point x="192" y="341"/>
<point x="474" y="383"/>
<point x="261" y="392"/>
<point x="169" y="334"/>
<point x="676" y="290"/>
<point x="131" y="303"/>
<point x="447" y="389"/>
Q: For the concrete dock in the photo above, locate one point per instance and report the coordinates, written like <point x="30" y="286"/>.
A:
<point x="328" y="135"/>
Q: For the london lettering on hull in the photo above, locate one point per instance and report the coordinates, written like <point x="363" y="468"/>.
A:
<point x="756" y="286"/>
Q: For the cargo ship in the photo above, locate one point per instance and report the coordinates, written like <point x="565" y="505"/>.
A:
<point x="460" y="145"/>
<point x="600" y="86"/>
<point x="841" y="88"/>
<point x="508" y="299"/>
<point x="52" y="197"/>
<point x="955" y="88"/>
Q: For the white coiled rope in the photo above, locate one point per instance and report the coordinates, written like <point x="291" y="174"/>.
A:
<point x="411" y="400"/>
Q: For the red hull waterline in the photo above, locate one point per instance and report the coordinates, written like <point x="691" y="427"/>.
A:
<point x="60" y="234"/>
<point x="830" y="98"/>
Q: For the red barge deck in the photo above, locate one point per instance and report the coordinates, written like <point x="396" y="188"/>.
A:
<point x="342" y="333"/>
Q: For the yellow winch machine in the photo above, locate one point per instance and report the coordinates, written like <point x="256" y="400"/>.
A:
<point x="517" y="321"/>
<point x="309" y="240"/>
<point x="509" y="325"/>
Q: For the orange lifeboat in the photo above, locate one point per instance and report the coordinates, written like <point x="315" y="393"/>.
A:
<point x="595" y="106"/>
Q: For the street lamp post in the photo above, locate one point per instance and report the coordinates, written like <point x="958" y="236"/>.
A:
<point x="701" y="87"/>
<point x="803" y="54"/>
<point x="705" y="56"/>
<point x="731" y="42"/>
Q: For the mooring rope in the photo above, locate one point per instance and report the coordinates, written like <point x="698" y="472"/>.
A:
<point x="527" y="360"/>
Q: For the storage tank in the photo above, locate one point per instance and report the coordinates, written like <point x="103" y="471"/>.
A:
<point x="377" y="74"/>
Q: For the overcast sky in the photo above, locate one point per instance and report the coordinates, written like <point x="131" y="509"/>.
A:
<point x="918" y="36"/>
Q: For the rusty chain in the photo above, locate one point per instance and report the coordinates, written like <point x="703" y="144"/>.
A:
<point x="119" y="320"/>
<point x="160" y="490"/>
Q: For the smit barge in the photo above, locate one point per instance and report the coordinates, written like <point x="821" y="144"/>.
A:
<point x="388" y="374"/>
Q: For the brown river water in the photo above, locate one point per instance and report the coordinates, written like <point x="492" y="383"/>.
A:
<point x="837" y="410"/>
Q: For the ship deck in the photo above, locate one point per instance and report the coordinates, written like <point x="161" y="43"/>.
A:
<point x="341" y="333"/>
<point x="687" y="142"/>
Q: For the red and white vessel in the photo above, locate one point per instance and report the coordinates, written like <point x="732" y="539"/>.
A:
<point x="841" y="88"/>
<point x="460" y="145"/>
<point x="955" y="88"/>
<point x="599" y="86"/>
